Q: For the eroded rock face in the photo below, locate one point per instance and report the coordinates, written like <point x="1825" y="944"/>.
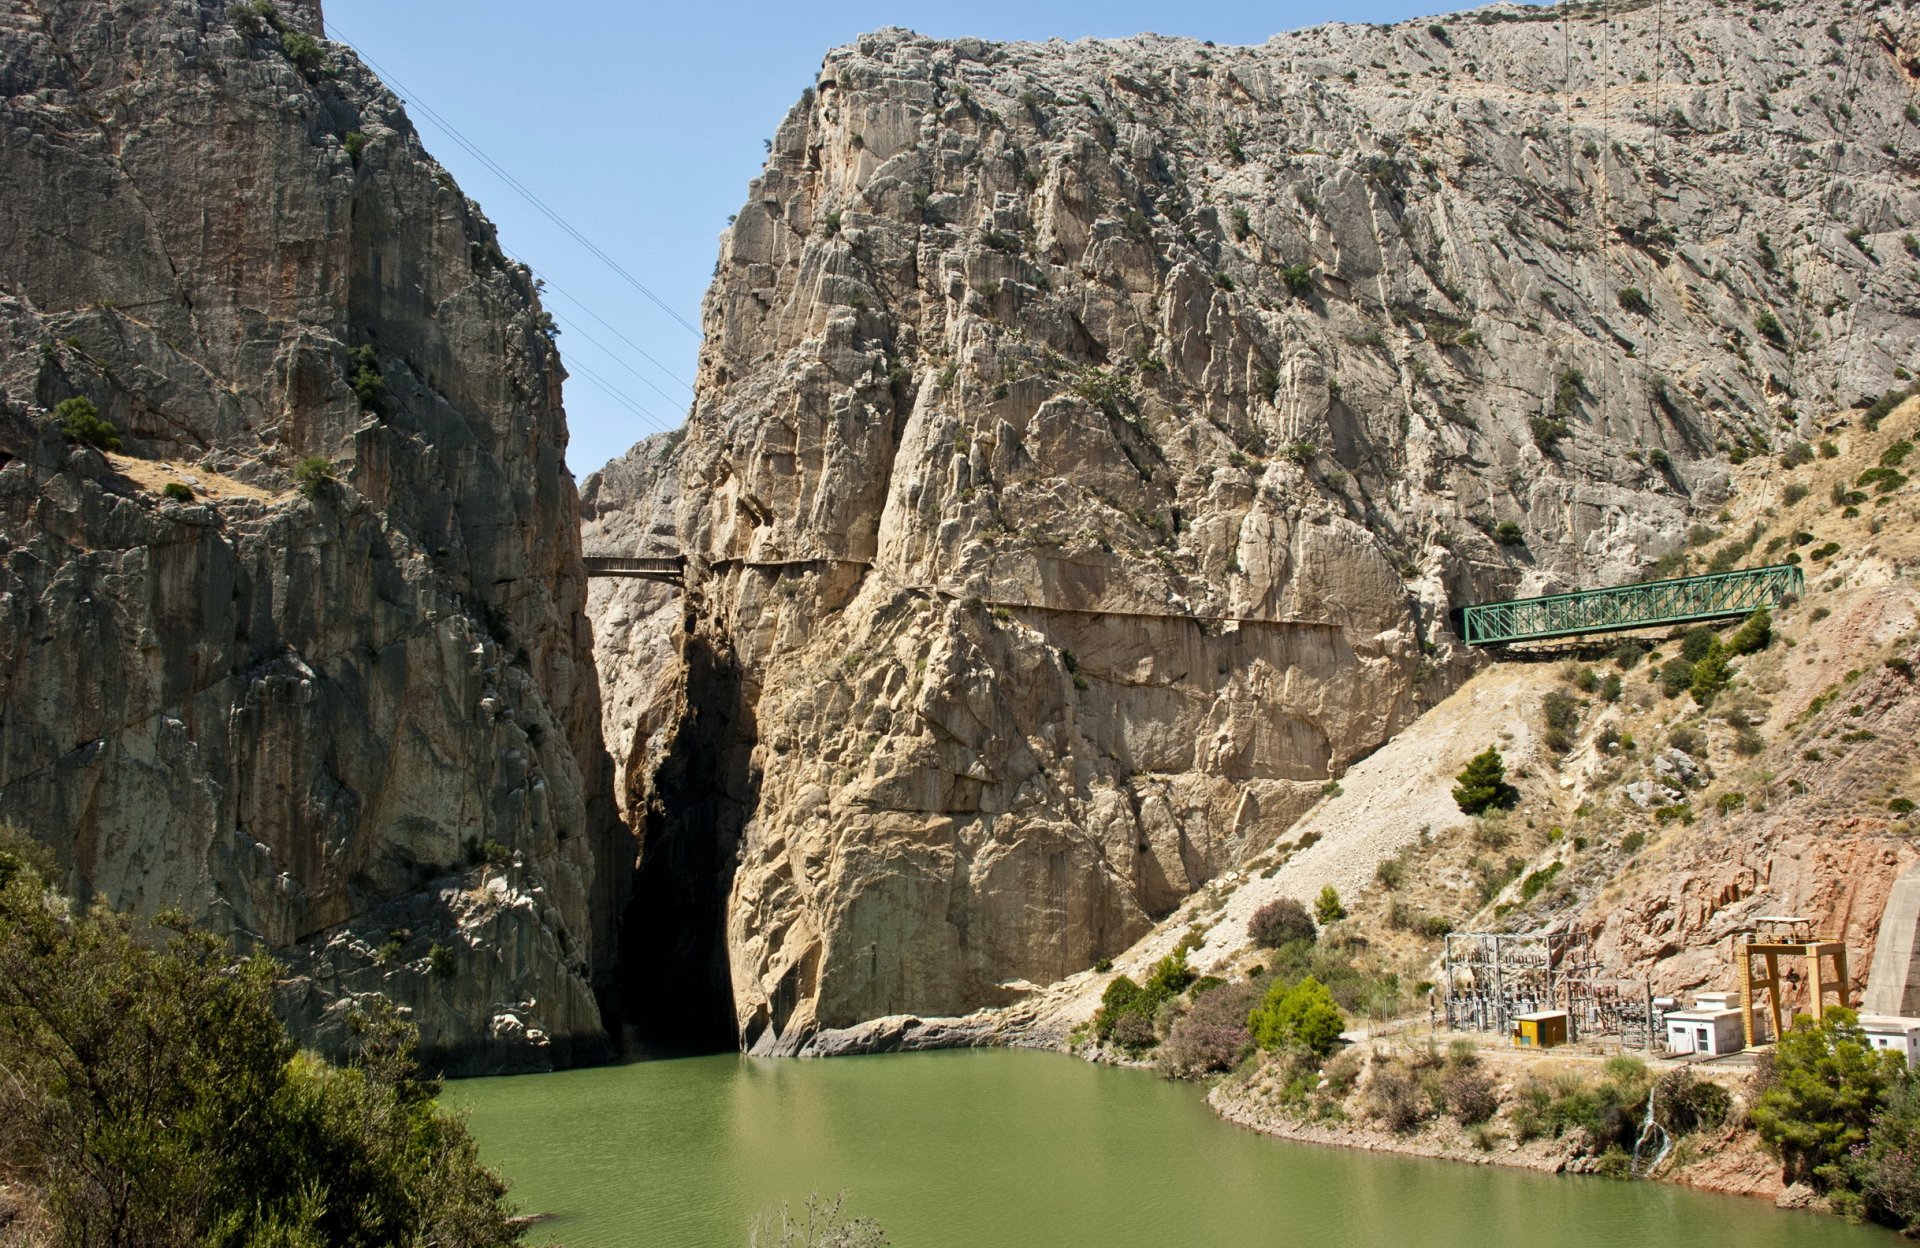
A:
<point x="1092" y="439"/>
<point x="358" y="729"/>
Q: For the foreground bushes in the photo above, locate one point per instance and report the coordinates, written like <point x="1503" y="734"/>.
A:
<point x="153" y="1098"/>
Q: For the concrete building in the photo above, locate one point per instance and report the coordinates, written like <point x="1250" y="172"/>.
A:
<point x="1892" y="1033"/>
<point x="1712" y="1027"/>
<point x="1893" y="980"/>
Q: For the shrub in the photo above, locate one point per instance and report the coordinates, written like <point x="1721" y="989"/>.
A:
<point x="1281" y="922"/>
<point x="1507" y="533"/>
<point x="1482" y="785"/>
<point x="1562" y="714"/>
<point x="1888" y="1169"/>
<point x="1213" y="1035"/>
<point x="1626" y="655"/>
<point x="1676" y="677"/>
<point x="1684" y="1103"/>
<point x="313" y="475"/>
<point x="1634" y="300"/>
<point x="1468" y="1093"/>
<point x="355" y="142"/>
<point x="1710" y="676"/>
<point x="252" y="17"/>
<point x="1768" y="326"/>
<point x="1547" y="432"/>
<point x="80" y="421"/>
<point x="1395" y="1097"/>
<point x="1127" y="1010"/>
<point x="178" y="491"/>
<point x="1696" y="643"/>
<point x="1538" y="880"/>
<point x="1754" y="635"/>
<point x="1297" y="1016"/>
<point x="1611" y="687"/>
<point x="1391" y="873"/>
<point x="193" y="1119"/>
<point x="1327" y="907"/>
<point x="1298" y="279"/>
<point x="1900" y="805"/>
<point x="1632" y="842"/>
<point x="369" y="386"/>
<point x="1826" y="1087"/>
<point x="441" y="959"/>
<point x="304" y="51"/>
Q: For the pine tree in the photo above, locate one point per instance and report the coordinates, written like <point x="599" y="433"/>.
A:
<point x="1482" y="785"/>
<point x="1327" y="907"/>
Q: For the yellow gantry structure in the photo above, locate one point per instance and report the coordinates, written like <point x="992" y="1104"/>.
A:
<point x="1758" y="955"/>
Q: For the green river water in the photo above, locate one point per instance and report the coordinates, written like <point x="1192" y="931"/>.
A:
<point x="1011" y="1149"/>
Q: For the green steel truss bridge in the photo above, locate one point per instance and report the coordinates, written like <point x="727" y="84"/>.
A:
<point x="1716" y="596"/>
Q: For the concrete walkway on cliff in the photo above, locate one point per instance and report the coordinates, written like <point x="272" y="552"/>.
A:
<point x="1384" y="804"/>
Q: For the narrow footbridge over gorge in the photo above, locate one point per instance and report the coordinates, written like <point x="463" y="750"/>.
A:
<point x="671" y="569"/>
<point x="1687" y="600"/>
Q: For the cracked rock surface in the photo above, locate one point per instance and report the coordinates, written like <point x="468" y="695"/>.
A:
<point x="1091" y="441"/>
<point x="357" y="725"/>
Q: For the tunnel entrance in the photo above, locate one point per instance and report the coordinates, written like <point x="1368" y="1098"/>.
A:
<point x="673" y="944"/>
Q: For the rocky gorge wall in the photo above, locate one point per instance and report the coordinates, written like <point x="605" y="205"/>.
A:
<point x="1092" y="439"/>
<point x="355" y="725"/>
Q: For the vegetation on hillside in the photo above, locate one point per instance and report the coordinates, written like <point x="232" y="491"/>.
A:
<point x="153" y="1099"/>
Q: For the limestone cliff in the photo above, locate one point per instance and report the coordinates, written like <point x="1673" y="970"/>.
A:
<point x="1092" y="439"/>
<point x="355" y="724"/>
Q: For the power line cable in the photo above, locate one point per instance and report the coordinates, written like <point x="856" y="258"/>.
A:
<point x="644" y="380"/>
<point x="658" y="425"/>
<point x="493" y="165"/>
<point x="637" y="348"/>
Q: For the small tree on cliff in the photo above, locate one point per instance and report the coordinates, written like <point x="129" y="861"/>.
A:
<point x="1483" y="786"/>
<point x="1327" y="907"/>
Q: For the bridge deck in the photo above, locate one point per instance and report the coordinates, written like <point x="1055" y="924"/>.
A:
<point x="1688" y="599"/>
<point x="670" y="568"/>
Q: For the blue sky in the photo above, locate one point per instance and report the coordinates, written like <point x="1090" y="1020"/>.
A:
<point x="641" y="124"/>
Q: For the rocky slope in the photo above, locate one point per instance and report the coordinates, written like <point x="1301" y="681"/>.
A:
<point x="356" y="724"/>
<point x="1091" y="441"/>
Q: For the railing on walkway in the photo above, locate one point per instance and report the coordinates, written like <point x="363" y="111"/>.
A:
<point x="1715" y="596"/>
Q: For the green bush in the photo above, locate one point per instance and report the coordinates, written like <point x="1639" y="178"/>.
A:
<point x="355" y="142"/>
<point x="1827" y="1084"/>
<point x="253" y="17"/>
<point x="178" y="491"/>
<point x="1327" y="907"/>
<point x="1888" y="1169"/>
<point x="80" y="421"/>
<point x="313" y="475"/>
<point x="1755" y="635"/>
<point x="1634" y="300"/>
<point x="1482" y="785"/>
<point x="1299" y="1016"/>
<point x="369" y="386"/>
<point x="1696" y="643"/>
<point x="1538" y="880"/>
<point x="154" y="1098"/>
<point x="1507" y="533"/>
<point x="1127" y="1010"/>
<point x="1710" y="676"/>
<point x="1676" y="677"/>
<point x="304" y="51"/>
<point x="1768" y="326"/>
<point x="1795" y="455"/>
<point x="1562" y="714"/>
